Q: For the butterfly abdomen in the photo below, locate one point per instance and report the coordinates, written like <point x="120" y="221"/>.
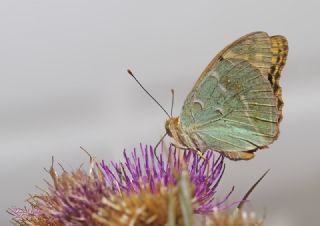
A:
<point x="279" y="50"/>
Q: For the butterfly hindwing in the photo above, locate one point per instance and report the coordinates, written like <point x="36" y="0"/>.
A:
<point x="235" y="106"/>
<point x="233" y="110"/>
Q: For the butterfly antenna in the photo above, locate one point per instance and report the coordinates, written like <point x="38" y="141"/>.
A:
<point x="172" y="101"/>
<point x="130" y="73"/>
<point x="251" y="189"/>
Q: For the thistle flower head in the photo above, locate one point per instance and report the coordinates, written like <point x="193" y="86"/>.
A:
<point x="143" y="170"/>
<point x="137" y="191"/>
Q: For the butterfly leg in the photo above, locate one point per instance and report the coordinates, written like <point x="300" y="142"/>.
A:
<point x="180" y="147"/>
<point x="199" y="153"/>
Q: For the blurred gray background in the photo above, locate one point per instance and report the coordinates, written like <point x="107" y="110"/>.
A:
<point x="63" y="83"/>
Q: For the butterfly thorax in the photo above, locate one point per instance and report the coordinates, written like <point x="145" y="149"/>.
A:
<point x="174" y="130"/>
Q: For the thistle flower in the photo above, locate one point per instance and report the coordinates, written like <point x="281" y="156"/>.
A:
<point x="73" y="201"/>
<point x="140" y="171"/>
<point x="137" y="192"/>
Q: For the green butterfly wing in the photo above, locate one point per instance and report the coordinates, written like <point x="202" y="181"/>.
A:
<point x="233" y="107"/>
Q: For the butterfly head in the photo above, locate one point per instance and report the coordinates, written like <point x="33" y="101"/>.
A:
<point x="172" y="126"/>
<point x="174" y="130"/>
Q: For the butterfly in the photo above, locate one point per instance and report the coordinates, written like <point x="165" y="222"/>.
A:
<point x="235" y="106"/>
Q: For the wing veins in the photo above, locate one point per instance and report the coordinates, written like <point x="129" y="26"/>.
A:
<point x="246" y="140"/>
<point x="219" y="139"/>
<point x="259" y="104"/>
